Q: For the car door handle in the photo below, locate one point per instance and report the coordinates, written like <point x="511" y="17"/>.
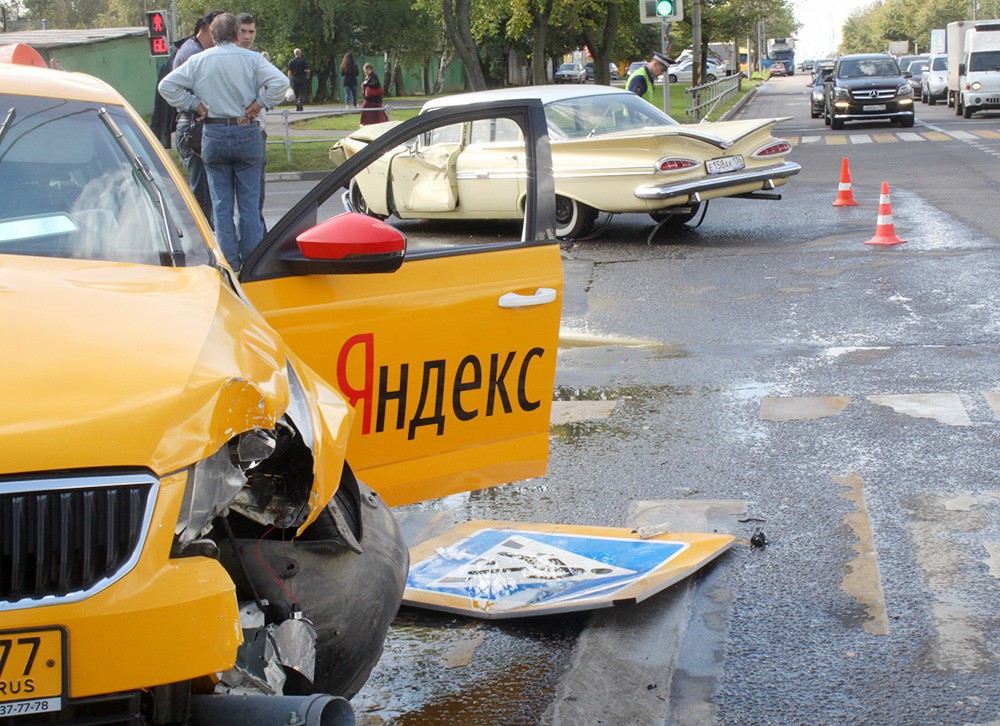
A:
<point x="542" y="296"/>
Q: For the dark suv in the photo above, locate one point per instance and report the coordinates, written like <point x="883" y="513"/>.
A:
<point x="868" y="87"/>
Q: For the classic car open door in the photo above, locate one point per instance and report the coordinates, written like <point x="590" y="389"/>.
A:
<point x="450" y="359"/>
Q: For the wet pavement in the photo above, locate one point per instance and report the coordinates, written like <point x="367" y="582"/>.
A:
<point x="769" y="375"/>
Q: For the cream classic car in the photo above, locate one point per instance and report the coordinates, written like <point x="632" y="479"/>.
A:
<point x="612" y="152"/>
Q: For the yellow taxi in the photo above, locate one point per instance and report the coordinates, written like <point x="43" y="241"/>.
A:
<point x="182" y="513"/>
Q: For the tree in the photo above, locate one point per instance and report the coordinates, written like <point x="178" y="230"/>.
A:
<point x="457" y="21"/>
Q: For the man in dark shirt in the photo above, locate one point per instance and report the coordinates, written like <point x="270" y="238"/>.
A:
<point x="298" y="74"/>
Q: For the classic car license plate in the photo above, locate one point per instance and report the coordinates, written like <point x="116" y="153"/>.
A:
<point x="31" y="672"/>
<point x="874" y="107"/>
<point x="724" y="164"/>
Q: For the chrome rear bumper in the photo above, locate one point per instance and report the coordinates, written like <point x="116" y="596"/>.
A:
<point x="764" y="177"/>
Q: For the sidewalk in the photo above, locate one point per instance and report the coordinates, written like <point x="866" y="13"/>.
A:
<point x="278" y="120"/>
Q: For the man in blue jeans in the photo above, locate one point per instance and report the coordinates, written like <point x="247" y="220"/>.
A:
<point x="229" y="86"/>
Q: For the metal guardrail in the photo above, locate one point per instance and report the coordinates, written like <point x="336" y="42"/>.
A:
<point x="702" y="100"/>
<point x="287" y="141"/>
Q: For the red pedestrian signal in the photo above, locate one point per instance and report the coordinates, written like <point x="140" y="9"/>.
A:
<point x="156" y="31"/>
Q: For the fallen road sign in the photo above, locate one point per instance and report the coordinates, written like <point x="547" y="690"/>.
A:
<point x="498" y="570"/>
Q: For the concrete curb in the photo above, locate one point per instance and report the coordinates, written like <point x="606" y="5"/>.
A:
<point x="741" y="103"/>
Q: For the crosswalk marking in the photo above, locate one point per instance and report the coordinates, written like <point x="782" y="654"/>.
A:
<point x="892" y="137"/>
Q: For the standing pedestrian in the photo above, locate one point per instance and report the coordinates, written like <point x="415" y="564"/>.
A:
<point x="372" y="91"/>
<point x="298" y="74"/>
<point x="229" y="87"/>
<point x="189" y="131"/>
<point x="641" y="80"/>
<point x="349" y="74"/>
<point x="248" y="34"/>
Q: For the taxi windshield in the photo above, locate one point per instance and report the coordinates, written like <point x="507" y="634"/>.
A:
<point x="585" y="117"/>
<point x="72" y="189"/>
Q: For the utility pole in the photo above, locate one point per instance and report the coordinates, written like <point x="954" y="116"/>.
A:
<point x="665" y="49"/>
<point x="696" y="59"/>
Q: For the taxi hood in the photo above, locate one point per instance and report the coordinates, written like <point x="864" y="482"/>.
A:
<point x="109" y="364"/>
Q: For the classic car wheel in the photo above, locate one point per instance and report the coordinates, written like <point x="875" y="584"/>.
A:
<point x="673" y="78"/>
<point x="673" y="220"/>
<point x="573" y="219"/>
<point x="709" y="78"/>
<point x="359" y="203"/>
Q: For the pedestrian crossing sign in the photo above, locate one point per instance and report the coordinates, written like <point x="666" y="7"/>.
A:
<point x="504" y="569"/>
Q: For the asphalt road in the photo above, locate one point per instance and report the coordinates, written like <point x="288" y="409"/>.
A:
<point x="770" y="372"/>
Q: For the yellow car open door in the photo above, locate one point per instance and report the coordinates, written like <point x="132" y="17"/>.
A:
<point x="447" y="351"/>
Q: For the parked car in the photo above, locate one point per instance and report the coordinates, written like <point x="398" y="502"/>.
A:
<point x="915" y="72"/>
<point x="868" y="87"/>
<point x="612" y="71"/>
<point x="934" y="79"/>
<point x="682" y="71"/>
<point x="571" y="73"/>
<point x="173" y="437"/>
<point x="612" y="152"/>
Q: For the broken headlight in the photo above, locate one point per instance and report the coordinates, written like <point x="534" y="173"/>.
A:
<point x="266" y="475"/>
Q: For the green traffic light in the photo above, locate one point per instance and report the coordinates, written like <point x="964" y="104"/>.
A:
<point x="665" y="7"/>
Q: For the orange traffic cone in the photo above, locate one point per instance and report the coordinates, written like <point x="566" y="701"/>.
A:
<point x="885" y="230"/>
<point x="845" y="195"/>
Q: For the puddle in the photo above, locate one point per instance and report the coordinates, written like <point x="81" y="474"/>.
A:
<point x="422" y="677"/>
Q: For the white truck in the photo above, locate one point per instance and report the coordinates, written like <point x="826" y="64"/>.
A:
<point x="973" y="65"/>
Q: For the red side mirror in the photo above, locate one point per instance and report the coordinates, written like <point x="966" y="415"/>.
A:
<point x="356" y="242"/>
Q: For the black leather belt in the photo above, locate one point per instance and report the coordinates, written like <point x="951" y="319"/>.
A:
<point x="238" y="121"/>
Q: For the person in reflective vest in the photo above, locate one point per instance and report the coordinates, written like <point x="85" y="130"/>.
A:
<point x="640" y="82"/>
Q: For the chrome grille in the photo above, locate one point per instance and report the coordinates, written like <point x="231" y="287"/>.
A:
<point x="880" y="94"/>
<point x="66" y="537"/>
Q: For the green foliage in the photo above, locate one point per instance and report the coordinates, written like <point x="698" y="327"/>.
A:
<point x="869" y="29"/>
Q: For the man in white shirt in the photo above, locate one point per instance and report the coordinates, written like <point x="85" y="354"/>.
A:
<point x="229" y="87"/>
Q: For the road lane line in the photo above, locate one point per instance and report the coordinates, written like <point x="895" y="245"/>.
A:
<point x="987" y="134"/>
<point x="810" y="139"/>
<point x="836" y="139"/>
<point x="910" y="136"/>
<point x="863" y="581"/>
<point x="936" y="136"/>
<point x="861" y="139"/>
<point x="885" y="138"/>
<point x="961" y="636"/>
<point x="946" y="408"/>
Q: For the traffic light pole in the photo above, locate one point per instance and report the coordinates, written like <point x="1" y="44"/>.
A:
<point x="664" y="47"/>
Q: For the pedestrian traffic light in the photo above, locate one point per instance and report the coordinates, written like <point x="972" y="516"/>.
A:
<point x="156" y="31"/>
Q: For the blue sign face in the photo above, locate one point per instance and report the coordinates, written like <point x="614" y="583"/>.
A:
<point x="523" y="568"/>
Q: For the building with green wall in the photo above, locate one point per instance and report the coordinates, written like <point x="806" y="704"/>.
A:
<point x="118" y="56"/>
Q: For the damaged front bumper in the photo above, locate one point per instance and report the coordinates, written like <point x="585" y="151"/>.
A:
<point x="730" y="184"/>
